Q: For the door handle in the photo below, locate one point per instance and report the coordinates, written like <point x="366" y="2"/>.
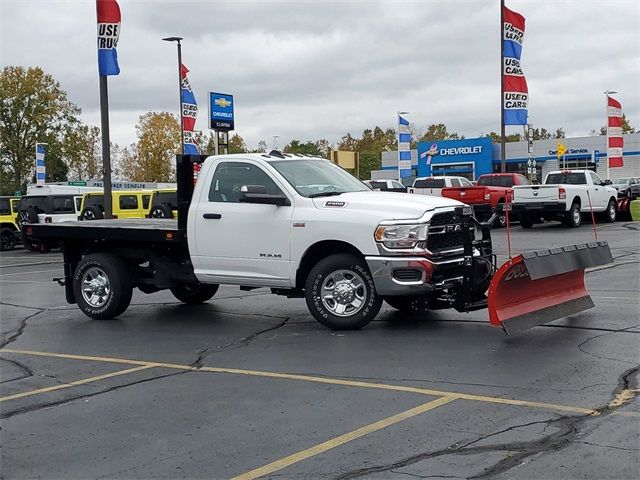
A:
<point x="212" y="216"/>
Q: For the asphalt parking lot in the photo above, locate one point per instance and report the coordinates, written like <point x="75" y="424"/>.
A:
<point x="248" y="385"/>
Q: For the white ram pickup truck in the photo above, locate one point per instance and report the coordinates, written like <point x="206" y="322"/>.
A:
<point x="301" y="226"/>
<point x="565" y="195"/>
<point x="434" y="185"/>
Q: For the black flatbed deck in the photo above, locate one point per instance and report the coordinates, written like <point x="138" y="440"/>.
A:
<point x="135" y="229"/>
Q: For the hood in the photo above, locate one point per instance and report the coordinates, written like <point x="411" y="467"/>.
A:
<point x="388" y="205"/>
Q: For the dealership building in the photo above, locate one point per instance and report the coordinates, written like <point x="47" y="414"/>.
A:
<point x="473" y="157"/>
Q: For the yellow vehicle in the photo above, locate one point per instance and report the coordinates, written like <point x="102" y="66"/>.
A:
<point x="9" y="230"/>
<point x="125" y="204"/>
<point x="164" y="204"/>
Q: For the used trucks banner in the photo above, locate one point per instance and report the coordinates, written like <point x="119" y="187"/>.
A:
<point x="188" y="114"/>
<point x="108" y="32"/>
<point x="516" y="94"/>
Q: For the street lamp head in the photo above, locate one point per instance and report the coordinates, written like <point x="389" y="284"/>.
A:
<point x="172" y="39"/>
<point x="607" y="92"/>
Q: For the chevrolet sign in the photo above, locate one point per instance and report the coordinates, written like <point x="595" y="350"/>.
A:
<point x="221" y="116"/>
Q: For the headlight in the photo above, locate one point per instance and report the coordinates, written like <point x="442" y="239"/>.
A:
<point x="401" y="236"/>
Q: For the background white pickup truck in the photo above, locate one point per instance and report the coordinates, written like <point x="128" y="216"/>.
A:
<point x="434" y="185"/>
<point x="565" y="195"/>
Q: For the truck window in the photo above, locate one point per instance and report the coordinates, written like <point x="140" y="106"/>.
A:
<point x="595" y="178"/>
<point x="170" y="199"/>
<point x="395" y="184"/>
<point x="231" y="176"/>
<point x="465" y="183"/>
<point x="455" y="182"/>
<point x="429" y="183"/>
<point x="15" y="204"/>
<point x="62" y="205"/>
<point x="496" y="181"/>
<point x="94" y="201"/>
<point x="523" y="180"/>
<point x="78" y="203"/>
<point x="128" y="202"/>
<point x="4" y="206"/>
<point x="145" y="201"/>
<point x="379" y="185"/>
<point x="39" y="204"/>
<point x="566" y="179"/>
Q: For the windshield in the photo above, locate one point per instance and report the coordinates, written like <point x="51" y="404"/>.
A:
<point x="317" y="178"/>
<point x="566" y="179"/>
<point x="496" y="181"/>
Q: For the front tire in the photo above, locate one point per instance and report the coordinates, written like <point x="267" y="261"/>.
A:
<point x="340" y="292"/>
<point x="573" y="218"/>
<point x="102" y="286"/>
<point x="194" y="294"/>
<point x="611" y="213"/>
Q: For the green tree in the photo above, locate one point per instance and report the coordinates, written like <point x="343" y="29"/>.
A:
<point x="318" y="148"/>
<point x="237" y="144"/>
<point x="33" y="108"/>
<point x="151" y="158"/>
<point x="82" y="152"/>
<point x="369" y="161"/>
<point x="438" y="131"/>
<point x="626" y="128"/>
<point x="495" y="137"/>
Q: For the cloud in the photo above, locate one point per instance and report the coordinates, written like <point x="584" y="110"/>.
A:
<point x="319" y="69"/>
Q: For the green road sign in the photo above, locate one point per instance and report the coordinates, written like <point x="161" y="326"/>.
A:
<point x="77" y="184"/>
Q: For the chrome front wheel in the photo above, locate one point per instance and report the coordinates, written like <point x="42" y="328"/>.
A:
<point x="343" y="293"/>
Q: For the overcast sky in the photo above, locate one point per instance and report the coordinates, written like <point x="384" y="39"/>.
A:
<point x="319" y="69"/>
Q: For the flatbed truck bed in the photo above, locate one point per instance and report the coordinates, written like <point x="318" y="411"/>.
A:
<point x="147" y="230"/>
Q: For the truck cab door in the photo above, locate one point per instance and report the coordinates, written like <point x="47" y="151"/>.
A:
<point x="242" y="243"/>
<point x="601" y="195"/>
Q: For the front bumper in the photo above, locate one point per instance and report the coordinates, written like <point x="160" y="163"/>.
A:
<point x="550" y="207"/>
<point x="413" y="275"/>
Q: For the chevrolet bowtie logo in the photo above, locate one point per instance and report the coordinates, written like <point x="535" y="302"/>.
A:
<point x="222" y="102"/>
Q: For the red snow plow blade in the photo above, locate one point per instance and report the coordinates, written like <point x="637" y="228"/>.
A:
<point x="535" y="288"/>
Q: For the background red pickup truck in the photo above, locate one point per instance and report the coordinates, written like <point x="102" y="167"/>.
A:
<point x="492" y="190"/>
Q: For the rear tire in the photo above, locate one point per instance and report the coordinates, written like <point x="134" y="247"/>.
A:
<point x="91" y="213"/>
<point x="340" y="292"/>
<point x="194" y="294"/>
<point x="7" y="239"/>
<point x="526" y="221"/>
<point x="27" y="215"/>
<point x="573" y="218"/>
<point x="611" y="213"/>
<point x="102" y="286"/>
<point x="501" y="219"/>
<point x="160" y="211"/>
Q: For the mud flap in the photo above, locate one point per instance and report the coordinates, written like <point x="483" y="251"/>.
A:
<point x="535" y="288"/>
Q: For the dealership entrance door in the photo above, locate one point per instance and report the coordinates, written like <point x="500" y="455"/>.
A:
<point x="466" y="170"/>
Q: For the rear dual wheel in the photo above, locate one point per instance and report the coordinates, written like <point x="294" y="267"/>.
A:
<point x="102" y="286"/>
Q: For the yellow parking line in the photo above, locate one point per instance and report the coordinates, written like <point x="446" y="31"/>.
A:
<point x="73" y="384"/>
<point x="342" y="439"/>
<point x="316" y="379"/>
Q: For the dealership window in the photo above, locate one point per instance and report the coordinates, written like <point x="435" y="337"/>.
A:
<point x="464" y="170"/>
<point x="577" y="163"/>
<point x="519" y="167"/>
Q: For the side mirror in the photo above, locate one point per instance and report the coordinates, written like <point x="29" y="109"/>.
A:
<point x="607" y="182"/>
<point x="258" y="194"/>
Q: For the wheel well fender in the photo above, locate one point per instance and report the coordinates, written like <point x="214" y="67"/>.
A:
<point x="577" y="200"/>
<point x="317" y="252"/>
<point x="8" y="225"/>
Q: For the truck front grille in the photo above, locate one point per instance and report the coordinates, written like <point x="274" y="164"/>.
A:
<point x="445" y="233"/>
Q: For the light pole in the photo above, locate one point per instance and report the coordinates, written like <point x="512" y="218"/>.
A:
<point x="606" y="118"/>
<point x="178" y="40"/>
